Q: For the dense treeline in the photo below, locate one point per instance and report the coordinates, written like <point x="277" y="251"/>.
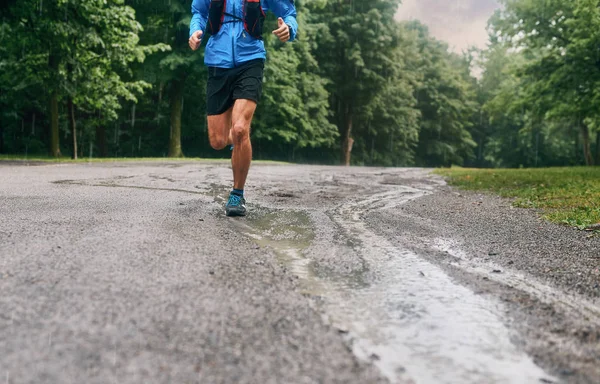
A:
<point x="99" y="78"/>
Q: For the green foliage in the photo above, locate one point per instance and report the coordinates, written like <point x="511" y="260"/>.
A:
<point x="391" y="117"/>
<point x="81" y="50"/>
<point x="558" y="72"/>
<point x="354" y="76"/>
<point x="293" y="112"/>
<point x="446" y="100"/>
<point x="356" y="46"/>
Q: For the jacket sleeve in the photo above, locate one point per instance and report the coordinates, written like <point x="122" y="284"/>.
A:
<point x="287" y="11"/>
<point x="199" y="16"/>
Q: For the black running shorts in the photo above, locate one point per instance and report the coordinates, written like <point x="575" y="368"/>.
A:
<point x="225" y="85"/>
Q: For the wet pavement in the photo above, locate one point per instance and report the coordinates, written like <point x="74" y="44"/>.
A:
<point x="367" y="292"/>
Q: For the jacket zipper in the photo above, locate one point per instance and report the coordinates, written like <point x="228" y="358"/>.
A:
<point x="232" y="34"/>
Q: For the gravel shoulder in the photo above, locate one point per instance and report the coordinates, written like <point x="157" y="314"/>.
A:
<point x="547" y="275"/>
<point x="489" y="228"/>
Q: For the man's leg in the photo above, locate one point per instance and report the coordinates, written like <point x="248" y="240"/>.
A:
<point x="243" y="111"/>
<point x="219" y="127"/>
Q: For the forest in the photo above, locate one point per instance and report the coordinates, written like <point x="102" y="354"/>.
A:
<point x="116" y="78"/>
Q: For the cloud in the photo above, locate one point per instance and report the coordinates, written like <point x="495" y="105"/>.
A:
<point x="461" y="23"/>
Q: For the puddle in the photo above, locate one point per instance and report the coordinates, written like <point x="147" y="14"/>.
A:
<point x="572" y="304"/>
<point x="218" y="192"/>
<point x="288" y="234"/>
<point x="409" y="318"/>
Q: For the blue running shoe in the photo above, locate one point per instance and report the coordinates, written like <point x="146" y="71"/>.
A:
<point x="236" y="206"/>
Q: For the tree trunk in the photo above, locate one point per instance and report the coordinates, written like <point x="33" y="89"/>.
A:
<point x="576" y="148"/>
<point x="73" y="126"/>
<point x="54" y="138"/>
<point x="176" y="104"/>
<point x="587" y="151"/>
<point x="53" y="106"/>
<point x="101" y="140"/>
<point x="348" y="141"/>
<point x="1" y="137"/>
<point x="598" y="148"/>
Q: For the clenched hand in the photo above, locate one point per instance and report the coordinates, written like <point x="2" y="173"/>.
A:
<point x="195" y="40"/>
<point x="282" y="31"/>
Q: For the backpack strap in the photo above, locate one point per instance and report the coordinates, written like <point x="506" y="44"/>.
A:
<point x="216" y="15"/>
<point x="254" y="18"/>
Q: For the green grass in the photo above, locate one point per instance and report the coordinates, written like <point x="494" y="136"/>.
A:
<point x="49" y="159"/>
<point x="568" y="196"/>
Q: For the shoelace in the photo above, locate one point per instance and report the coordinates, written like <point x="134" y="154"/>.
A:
<point x="234" y="200"/>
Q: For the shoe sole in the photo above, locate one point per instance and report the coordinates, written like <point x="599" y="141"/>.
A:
<point x="235" y="214"/>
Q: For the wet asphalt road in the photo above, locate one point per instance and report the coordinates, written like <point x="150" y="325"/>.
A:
<point x="130" y="273"/>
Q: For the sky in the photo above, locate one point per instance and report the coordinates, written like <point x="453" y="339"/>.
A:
<point x="461" y="23"/>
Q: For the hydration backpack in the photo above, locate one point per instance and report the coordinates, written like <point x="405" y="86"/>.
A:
<point x="254" y="17"/>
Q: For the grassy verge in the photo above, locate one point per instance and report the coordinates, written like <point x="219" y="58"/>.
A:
<point x="568" y="196"/>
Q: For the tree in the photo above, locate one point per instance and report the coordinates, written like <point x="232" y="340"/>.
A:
<point x="446" y="101"/>
<point x="392" y="118"/>
<point x="294" y="111"/>
<point x="560" y="39"/>
<point x="88" y="46"/>
<point x="354" y="53"/>
<point x="169" y="22"/>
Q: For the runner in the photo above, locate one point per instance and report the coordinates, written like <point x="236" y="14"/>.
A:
<point x="235" y="55"/>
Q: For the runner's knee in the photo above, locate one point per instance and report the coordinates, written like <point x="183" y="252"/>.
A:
<point x="240" y="130"/>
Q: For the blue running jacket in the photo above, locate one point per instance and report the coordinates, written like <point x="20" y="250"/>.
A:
<point x="232" y="45"/>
